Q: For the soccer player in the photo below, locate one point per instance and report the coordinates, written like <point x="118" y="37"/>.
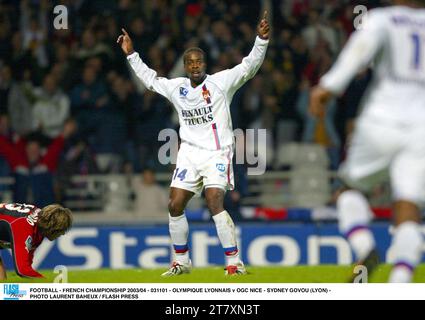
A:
<point x="390" y="134"/>
<point x="205" y="156"/>
<point x="23" y="227"/>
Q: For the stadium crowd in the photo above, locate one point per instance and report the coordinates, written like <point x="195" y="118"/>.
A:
<point x="51" y="78"/>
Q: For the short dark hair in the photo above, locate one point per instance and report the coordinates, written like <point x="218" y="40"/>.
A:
<point x="193" y="49"/>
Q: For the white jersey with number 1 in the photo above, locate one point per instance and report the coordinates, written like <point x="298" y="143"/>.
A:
<point x="393" y="40"/>
<point x="390" y="132"/>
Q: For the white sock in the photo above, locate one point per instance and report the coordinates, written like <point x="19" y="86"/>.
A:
<point x="407" y="243"/>
<point x="354" y="217"/>
<point x="227" y="235"/>
<point x="179" y="231"/>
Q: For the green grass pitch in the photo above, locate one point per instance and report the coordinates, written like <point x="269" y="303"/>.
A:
<point x="296" y="274"/>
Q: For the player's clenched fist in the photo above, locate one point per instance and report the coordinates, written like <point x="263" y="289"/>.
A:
<point x="125" y="42"/>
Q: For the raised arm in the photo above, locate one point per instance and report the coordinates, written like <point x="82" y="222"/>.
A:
<point x="51" y="158"/>
<point x="146" y="75"/>
<point x="234" y="78"/>
<point x="12" y="153"/>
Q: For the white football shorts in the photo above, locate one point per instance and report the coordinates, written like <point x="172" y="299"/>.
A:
<point x="197" y="168"/>
<point x="380" y="150"/>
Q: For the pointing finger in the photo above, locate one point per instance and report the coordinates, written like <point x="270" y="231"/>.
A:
<point x="265" y="15"/>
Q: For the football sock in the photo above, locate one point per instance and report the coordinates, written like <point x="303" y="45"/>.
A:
<point x="407" y="243"/>
<point x="179" y="231"/>
<point x="354" y="217"/>
<point x="227" y="235"/>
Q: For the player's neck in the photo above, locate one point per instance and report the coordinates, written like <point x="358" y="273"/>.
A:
<point x="194" y="84"/>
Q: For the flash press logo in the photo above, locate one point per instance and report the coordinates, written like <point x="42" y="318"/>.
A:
<point x="12" y="292"/>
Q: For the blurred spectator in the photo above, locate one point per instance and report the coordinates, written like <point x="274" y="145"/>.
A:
<point x="51" y="109"/>
<point x="299" y="55"/>
<point x="90" y="93"/>
<point x="126" y="103"/>
<point x="33" y="167"/>
<point x="91" y="47"/>
<point x="317" y="29"/>
<point x="320" y="61"/>
<point x="253" y="101"/>
<point x="99" y="120"/>
<point x="142" y="38"/>
<point x="319" y="130"/>
<point x="4" y="166"/>
<point x="151" y="199"/>
<point x="21" y="99"/>
<point x="62" y="68"/>
<point x="18" y="56"/>
<point x="78" y="159"/>
<point x="285" y="93"/>
<point x="34" y="31"/>
<point x="151" y="118"/>
<point x="5" y="43"/>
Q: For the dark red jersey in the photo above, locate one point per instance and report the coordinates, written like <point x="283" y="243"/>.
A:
<point x="19" y="231"/>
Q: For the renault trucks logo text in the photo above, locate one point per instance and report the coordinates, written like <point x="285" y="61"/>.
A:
<point x="12" y="292"/>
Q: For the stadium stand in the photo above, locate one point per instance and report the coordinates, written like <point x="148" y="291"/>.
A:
<point x="119" y="121"/>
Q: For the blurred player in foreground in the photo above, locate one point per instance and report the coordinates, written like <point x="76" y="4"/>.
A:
<point x="205" y="156"/>
<point x="23" y="227"/>
<point x="389" y="137"/>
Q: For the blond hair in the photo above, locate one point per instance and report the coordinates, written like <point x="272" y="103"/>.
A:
<point x="55" y="218"/>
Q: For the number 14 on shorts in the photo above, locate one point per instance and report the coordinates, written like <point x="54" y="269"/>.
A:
<point x="180" y="175"/>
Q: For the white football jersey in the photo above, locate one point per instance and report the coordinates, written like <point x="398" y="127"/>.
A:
<point x="393" y="40"/>
<point x="204" y="111"/>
